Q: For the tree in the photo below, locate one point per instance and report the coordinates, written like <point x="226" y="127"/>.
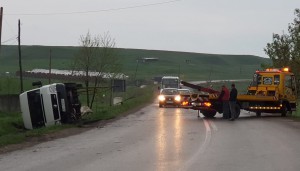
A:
<point x="294" y="30"/>
<point x="284" y="50"/>
<point x="279" y="50"/>
<point x="97" y="56"/>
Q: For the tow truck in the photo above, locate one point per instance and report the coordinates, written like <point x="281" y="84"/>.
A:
<point x="271" y="91"/>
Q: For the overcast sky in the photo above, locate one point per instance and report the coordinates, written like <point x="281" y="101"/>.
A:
<point x="202" y="26"/>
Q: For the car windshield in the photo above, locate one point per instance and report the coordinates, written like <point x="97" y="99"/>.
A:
<point x="169" y="91"/>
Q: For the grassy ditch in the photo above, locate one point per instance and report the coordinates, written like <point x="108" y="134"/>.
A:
<point x="134" y="98"/>
<point x="12" y="130"/>
<point x="297" y="113"/>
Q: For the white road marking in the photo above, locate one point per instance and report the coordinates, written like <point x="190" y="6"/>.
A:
<point x="213" y="125"/>
<point x="208" y="133"/>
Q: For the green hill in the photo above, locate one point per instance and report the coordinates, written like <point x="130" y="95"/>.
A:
<point x="190" y="66"/>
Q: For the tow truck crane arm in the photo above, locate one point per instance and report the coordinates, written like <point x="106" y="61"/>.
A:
<point x="200" y="88"/>
<point x="207" y="104"/>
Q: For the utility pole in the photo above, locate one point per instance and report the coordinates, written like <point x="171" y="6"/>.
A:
<point x="111" y="92"/>
<point x="136" y="68"/>
<point x="50" y="56"/>
<point x="179" y="70"/>
<point x="1" y="18"/>
<point x="20" y="61"/>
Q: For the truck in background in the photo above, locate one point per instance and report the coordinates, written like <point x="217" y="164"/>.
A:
<point x="170" y="82"/>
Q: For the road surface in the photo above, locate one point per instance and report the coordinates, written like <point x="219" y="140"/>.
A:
<point x="169" y="139"/>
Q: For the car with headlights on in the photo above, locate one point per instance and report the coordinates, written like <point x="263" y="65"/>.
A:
<point x="169" y="97"/>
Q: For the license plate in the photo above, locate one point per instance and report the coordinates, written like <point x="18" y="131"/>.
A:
<point x="169" y="101"/>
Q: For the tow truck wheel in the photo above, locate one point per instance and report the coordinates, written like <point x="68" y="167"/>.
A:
<point x="238" y="111"/>
<point x="283" y="110"/>
<point x="258" y="114"/>
<point x="209" y="114"/>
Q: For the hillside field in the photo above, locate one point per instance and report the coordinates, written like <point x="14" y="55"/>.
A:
<point x="189" y="66"/>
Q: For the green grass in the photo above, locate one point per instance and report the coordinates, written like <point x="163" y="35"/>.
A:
<point x="132" y="99"/>
<point x="297" y="113"/>
<point x="11" y="84"/>
<point x="11" y="131"/>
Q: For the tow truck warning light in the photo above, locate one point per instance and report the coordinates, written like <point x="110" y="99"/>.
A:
<point x="285" y="69"/>
<point x="276" y="70"/>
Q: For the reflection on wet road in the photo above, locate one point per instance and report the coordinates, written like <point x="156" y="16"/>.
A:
<point x="169" y="139"/>
<point x="161" y="141"/>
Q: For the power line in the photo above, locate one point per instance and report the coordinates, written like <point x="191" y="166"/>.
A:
<point x="10" y="28"/>
<point x="10" y="39"/>
<point x="103" y="10"/>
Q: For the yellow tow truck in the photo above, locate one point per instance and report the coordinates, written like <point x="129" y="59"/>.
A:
<point x="271" y="91"/>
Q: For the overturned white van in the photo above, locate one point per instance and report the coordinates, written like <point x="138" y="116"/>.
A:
<point x="49" y="105"/>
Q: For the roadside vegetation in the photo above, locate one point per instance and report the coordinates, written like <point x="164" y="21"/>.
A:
<point x="284" y="50"/>
<point x="12" y="130"/>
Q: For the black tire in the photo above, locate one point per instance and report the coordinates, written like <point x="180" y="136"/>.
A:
<point x="258" y="114"/>
<point x="160" y="105"/>
<point x="209" y="114"/>
<point x="284" y="110"/>
<point x="237" y="110"/>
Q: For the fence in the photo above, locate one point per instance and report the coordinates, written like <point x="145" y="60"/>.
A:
<point x="9" y="103"/>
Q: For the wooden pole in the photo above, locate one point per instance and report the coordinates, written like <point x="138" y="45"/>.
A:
<point x="1" y="18"/>
<point x="20" y="61"/>
<point x="136" y="68"/>
<point x="50" y="63"/>
<point x="111" y="92"/>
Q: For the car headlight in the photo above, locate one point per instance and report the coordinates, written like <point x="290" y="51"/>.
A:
<point x="52" y="88"/>
<point x="161" y="98"/>
<point x="177" y="98"/>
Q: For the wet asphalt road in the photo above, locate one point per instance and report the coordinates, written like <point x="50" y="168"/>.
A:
<point x="170" y="139"/>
